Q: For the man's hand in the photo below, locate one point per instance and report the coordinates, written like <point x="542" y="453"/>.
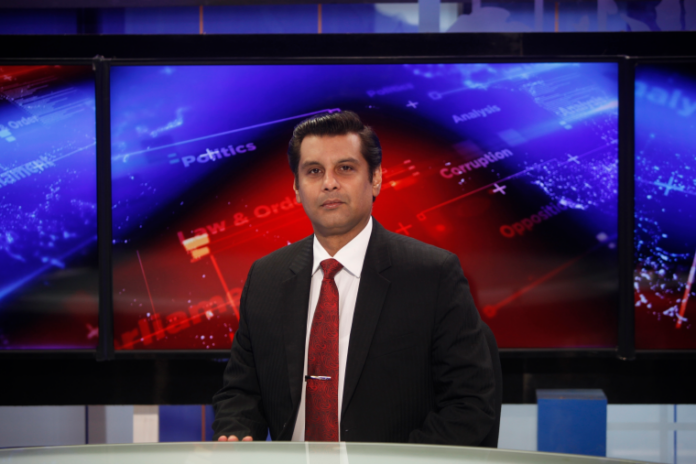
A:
<point x="234" y="438"/>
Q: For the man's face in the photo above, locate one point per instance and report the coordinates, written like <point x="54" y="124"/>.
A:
<point x="333" y="184"/>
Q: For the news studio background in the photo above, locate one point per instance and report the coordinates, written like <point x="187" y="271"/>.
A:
<point x="512" y="166"/>
<point x="515" y="167"/>
<point x="48" y="227"/>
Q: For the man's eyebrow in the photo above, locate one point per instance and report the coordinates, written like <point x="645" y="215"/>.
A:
<point x="317" y="163"/>
<point x="310" y="163"/>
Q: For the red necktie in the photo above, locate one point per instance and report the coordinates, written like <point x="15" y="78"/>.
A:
<point x="321" y="406"/>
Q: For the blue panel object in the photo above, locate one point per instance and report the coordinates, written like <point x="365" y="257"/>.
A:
<point x="165" y="20"/>
<point x="209" y="418"/>
<point x="260" y="19"/>
<point x="112" y="21"/>
<point x="180" y="423"/>
<point x="38" y="21"/>
<point x="348" y="18"/>
<point x="572" y="421"/>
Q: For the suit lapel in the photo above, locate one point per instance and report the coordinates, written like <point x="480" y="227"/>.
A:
<point x="296" y="294"/>
<point x="371" y="294"/>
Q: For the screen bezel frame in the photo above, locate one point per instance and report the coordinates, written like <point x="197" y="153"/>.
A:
<point x="623" y="348"/>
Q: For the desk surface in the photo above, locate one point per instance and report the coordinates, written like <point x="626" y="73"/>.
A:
<point x="283" y="452"/>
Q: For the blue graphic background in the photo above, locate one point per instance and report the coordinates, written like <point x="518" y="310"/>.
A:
<point x="665" y="205"/>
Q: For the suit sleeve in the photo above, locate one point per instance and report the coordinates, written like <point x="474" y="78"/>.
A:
<point x="238" y="408"/>
<point x="463" y="413"/>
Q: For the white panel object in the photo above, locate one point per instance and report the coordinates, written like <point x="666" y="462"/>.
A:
<point x="109" y="424"/>
<point x="41" y="426"/>
<point x="448" y="15"/>
<point x="641" y="445"/>
<point x="638" y="414"/>
<point x="518" y="427"/>
<point x="642" y="432"/>
<point x="686" y="446"/>
<point x="686" y="433"/>
<point x="405" y="12"/>
<point x="686" y="413"/>
<point x="428" y="15"/>
<point x="145" y="424"/>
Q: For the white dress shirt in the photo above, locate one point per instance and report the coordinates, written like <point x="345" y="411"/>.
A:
<point x="352" y="257"/>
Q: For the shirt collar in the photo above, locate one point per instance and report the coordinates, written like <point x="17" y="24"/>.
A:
<point x="351" y="256"/>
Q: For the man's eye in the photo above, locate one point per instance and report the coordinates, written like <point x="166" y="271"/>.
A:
<point x="345" y="167"/>
<point x="313" y="171"/>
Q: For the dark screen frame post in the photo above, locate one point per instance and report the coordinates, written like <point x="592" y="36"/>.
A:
<point x="626" y="338"/>
<point x="105" y="347"/>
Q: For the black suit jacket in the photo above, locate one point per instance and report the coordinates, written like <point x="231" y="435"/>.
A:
<point x="418" y="367"/>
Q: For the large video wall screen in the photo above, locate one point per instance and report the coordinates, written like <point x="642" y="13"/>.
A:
<point x="513" y="167"/>
<point x="48" y="227"/>
<point x="665" y="206"/>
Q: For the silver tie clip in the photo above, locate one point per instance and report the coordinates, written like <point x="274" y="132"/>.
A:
<point x="316" y="377"/>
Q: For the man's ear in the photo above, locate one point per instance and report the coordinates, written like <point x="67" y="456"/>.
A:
<point x="377" y="181"/>
<point x="297" y="192"/>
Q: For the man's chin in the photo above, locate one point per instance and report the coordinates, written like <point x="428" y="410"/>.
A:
<point x="334" y="225"/>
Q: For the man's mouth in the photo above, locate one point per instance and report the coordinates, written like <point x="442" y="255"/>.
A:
<point x="331" y="204"/>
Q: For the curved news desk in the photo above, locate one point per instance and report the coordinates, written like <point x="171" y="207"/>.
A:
<point x="283" y="453"/>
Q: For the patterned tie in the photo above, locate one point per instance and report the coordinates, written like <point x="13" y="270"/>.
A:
<point x="321" y="407"/>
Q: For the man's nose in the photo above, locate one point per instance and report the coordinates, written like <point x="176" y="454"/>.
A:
<point x="330" y="182"/>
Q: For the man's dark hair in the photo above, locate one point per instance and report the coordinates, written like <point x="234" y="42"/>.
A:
<point x="330" y="124"/>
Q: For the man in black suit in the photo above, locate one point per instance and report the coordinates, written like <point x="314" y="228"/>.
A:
<point x="407" y="357"/>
